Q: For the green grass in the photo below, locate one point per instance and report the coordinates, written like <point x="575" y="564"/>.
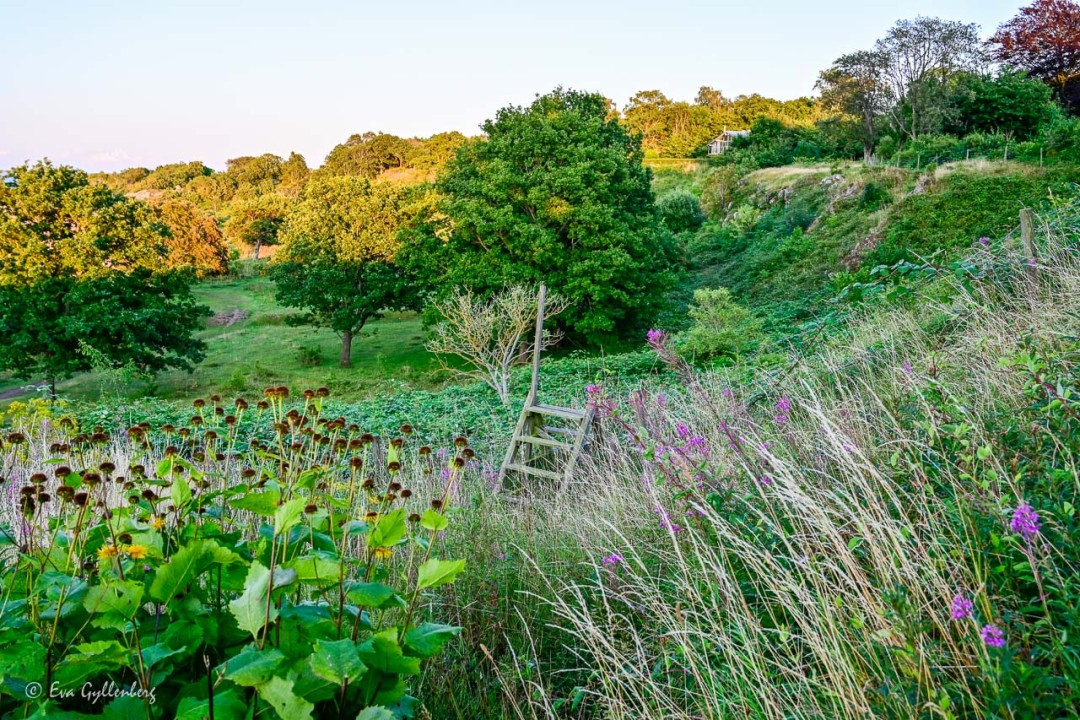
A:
<point x="262" y="350"/>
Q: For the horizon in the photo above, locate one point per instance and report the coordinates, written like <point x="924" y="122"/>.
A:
<point x="184" y="82"/>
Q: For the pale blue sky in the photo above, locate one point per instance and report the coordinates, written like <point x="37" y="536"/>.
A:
<point x="109" y="84"/>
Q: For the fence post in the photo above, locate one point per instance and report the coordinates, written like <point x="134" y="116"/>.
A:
<point x="1027" y="236"/>
<point x="1040" y="157"/>
<point x="1006" y="152"/>
<point x="968" y="154"/>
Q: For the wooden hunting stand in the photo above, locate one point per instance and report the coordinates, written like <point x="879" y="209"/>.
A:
<point x="548" y="439"/>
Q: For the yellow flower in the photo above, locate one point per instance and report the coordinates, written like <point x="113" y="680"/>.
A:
<point x="158" y="523"/>
<point x="384" y="553"/>
<point x="136" y="552"/>
<point x="108" y="551"/>
<point x="371" y="517"/>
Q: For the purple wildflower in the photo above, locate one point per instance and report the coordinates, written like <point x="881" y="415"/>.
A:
<point x="783" y="411"/>
<point x="657" y="340"/>
<point x="765" y="480"/>
<point x="962" y="607"/>
<point x="682" y="429"/>
<point x="665" y="521"/>
<point x="908" y="368"/>
<point x="984" y="241"/>
<point x="993" y="636"/>
<point x="661" y="400"/>
<point x="1025" y="522"/>
<point x="612" y="560"/>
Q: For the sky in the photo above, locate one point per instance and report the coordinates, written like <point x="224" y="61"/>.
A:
<point x="111" y="84"/>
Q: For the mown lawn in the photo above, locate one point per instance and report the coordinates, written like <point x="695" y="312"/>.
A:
<point x="261" y="350"/>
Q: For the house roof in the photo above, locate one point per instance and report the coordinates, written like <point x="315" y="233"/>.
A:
<point x="731" y="133"/>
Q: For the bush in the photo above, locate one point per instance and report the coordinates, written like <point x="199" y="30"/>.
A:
<point x="721" y="327"/>
<point x="681" y="211"/>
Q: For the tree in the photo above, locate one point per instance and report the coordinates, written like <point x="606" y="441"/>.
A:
<point x="366" y="155"/>
<point x="294" y="173"/>
<point x="339" y="244"/>
<point x="492" y="334"/>
<point x="1044" y="40"/>
<point x="557" y="193"/>
<point x="852" y="87"/>
<point x="79" y="267"/>
<point x="917" y="59"/>
<point x="173" y="176"/>
<point x="194" y="240"/>
<point x="1009" y="103"/>
<point x="255" y="222"/>
<point x="135" y="318"/>
<point x="261" y="172"/>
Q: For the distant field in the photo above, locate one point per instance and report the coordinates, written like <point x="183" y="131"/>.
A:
<point x="261" y="350"/>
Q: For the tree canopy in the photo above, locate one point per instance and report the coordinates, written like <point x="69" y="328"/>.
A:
<point x="1043" y="39"/>
<point x="556" y="192"/>
<point x="81" y="265"/>
<point x="337" y="261"/>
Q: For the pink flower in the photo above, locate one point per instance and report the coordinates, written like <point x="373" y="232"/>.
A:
<point x="993" y="636"/>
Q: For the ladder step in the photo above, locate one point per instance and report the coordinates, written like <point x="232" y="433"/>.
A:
<point x="531" y="440"/>
<point x="554" y="410"/>
<point x="568" y="432"/>
<point x="535" y="471"/>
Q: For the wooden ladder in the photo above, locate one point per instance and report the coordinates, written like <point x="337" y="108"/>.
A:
<point x="548" y="439"/>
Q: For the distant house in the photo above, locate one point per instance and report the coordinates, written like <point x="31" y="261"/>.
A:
<point x="722" y="141"/>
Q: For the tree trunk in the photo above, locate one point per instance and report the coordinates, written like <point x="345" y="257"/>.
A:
<point x="258" y="246"/>
<point x="346" y="349"/>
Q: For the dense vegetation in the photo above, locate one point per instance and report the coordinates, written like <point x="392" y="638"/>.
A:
<point x="833" y="471"/>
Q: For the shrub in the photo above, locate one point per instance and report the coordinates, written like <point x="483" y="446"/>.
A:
<point x="720" y="327"/>
<point x="681" y="211"/>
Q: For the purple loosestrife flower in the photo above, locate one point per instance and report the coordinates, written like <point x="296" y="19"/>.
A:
<point x="783" y="411"/>
<point x="993" y="636"/>
<point x="962" y="607"/>
<point x="612" y="560"/>
<point x="984" y="241"/>
<point x="1025" y="522"/>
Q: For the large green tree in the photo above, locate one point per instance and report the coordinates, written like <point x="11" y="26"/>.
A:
<point x="81" y="265"/>
<point x="556" y="193"/>
<point x="337" y="260"/>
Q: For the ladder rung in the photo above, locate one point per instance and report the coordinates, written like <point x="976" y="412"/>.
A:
<point x="535" y="471"/>
<point x="569" y="432"/>
<point x="543" y="441"/>
<point x="563" y="412"/>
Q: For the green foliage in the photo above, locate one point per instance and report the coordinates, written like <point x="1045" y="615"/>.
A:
<point x="556" y="192"/>
<point x="173" y="176"/>
<point x="366" y="155"/>
<point x="1008" y="103"/>
<point x="337" y="263"/>
<point x="963" y="208"/>
<point x="185" y="584"/>
<point x="681" y="211"/>
<point x="721" y="327"/>
<point x="75" y="271"/>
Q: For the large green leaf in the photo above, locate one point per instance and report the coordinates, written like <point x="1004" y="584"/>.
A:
<point x="278" y="692"/>
<point x="337" y="661"/>
<point x="375" y="595"/>
<point x="433" y="520"/>
<point x="252" y="666"/>
<point x="376" y="713"/>
<point x="316" y="569"/>
<point x="389" y="530"/>
<point x="382" y="652"/>
<point x="186" y="565"/>
<point x="427" y="639"/>
<point x="436" y="572"/>
<point x="119" y="598"/>
<point x="227" y="706"/>
<point x="261" y="503"/>
<point x="253" y="608"/>
<point x="288" y="515"/>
